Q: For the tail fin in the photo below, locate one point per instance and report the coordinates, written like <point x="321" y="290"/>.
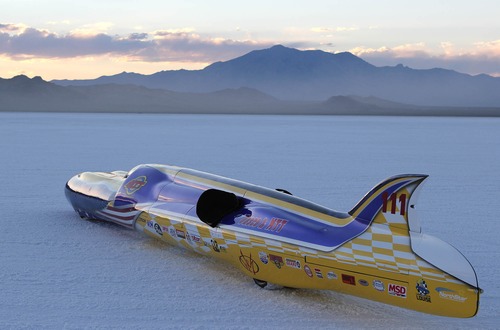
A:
<point x="392" y="202"/>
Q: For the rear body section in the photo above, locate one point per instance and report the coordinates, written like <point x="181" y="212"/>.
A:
<point x="375" y="251"/>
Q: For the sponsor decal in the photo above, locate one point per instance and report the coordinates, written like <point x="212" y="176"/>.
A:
<point x="363" y="282"/>
<point x="193" y="238"/>
<point x="331" y="276"/>
<point x="378" y="285"/>
<point x="248" y="263"/>
<point x="215" y="246"/>
<point x="318" y="273"/>
<point x="180" y="233"/>
<point x="423" y="293"/>
<point x="263" y="257"/>
<point x="450" y="294"/>
<point x="253" y="222"/>
<point x="171" y="231"/>
<point x="423" y="298"/>
<point x="158" y="229"/>
<point x="292" y="263"/>
<point x="276" y="260"/>
<point x="308" y="271"/>
<point x="135" y="184"/>
<point x="274" y="225"/>
<point x="397" y="290"/>
<point x="348" y="279"/>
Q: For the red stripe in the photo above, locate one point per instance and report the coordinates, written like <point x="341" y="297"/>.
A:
<point x="128" y="209"/>
<point x="128" y="218"/>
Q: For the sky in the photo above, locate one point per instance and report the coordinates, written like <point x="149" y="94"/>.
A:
<point x="58" y="39"/>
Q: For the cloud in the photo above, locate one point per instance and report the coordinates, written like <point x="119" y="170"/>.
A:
<point x="63" y="22"/>
<point x="33" y="43"/>
<point x="6" y="28"/>
<point x="19" y="42"/>
<point x="138" y="36"/>
<point x="89" y="30"/>
<point x="179" y="45"/>
<point x="338" y="29"/>
<point x="483" y="57"/>
<point x="488" y="48"/>
<point x="401" y="51"/>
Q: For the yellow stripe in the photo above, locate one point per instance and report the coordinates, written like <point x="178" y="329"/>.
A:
<point x="376" y="193"/>
<point x="382" y="238"/>
<point x="267" y="199"/>
<point x="382" y="251"/>
<point x="299" y="209"/>
<point x="362" y="241"/>
<point x="208" y="182"/>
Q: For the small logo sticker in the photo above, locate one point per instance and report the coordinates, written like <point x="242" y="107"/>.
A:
<point x="135" y="184"/>
<point x="276" y="260"/>
<point x="423" y="293"/>
<point x="292" y="263"/>
<point x="215" y="246"/>
<point x="331" y="276"/>
<point x="378" y="285"/>
<point x="363" y="282"/>
<point x="263" y="257"/>
<point x="450" y="294"/>
<point x="397" y="290"/>
<point x="180" y="233"/>
<point x="192" y="238"/>
<point x="158" y="229"/>
<point x="348" y="279"/>
<point x="308" y="271"/>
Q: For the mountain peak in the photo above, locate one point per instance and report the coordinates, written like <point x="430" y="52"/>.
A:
<point x="27" y="81"/>
<point x="281" y="49"/>
<point x="20" y="77"/>
<point x="279" y="46"/>
<point x="286" y="62"/>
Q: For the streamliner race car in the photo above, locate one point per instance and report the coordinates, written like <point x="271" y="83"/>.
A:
<point x="376" y="250"/>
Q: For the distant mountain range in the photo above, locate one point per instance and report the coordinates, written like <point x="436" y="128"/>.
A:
<point x="292" y="75"/>
<point x="277" y="80"/>
<point x="36" y="95"/>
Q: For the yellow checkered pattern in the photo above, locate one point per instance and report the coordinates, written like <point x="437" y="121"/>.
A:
<point x="381" y="248"/>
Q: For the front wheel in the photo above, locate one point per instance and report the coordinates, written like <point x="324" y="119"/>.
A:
<point x="260" y="283"/>
<point x="267" y="286"/>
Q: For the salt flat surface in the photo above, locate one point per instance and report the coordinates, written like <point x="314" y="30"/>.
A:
<point x="58" y="271"/>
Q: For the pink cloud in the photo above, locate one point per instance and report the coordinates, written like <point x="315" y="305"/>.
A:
<point x="483" y="57"/>
<point x="19" y="42"/>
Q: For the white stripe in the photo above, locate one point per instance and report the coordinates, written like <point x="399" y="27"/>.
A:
<point x="360" y="247"/>
<point x="382" y="245"/>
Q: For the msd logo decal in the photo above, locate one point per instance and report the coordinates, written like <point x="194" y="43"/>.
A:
<point x="397" y="290"/>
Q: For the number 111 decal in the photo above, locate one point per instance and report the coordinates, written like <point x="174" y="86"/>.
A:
<point x="394" y="199"/>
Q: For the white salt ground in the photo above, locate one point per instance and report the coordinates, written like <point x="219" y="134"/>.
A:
<point x="58" y="271"/>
